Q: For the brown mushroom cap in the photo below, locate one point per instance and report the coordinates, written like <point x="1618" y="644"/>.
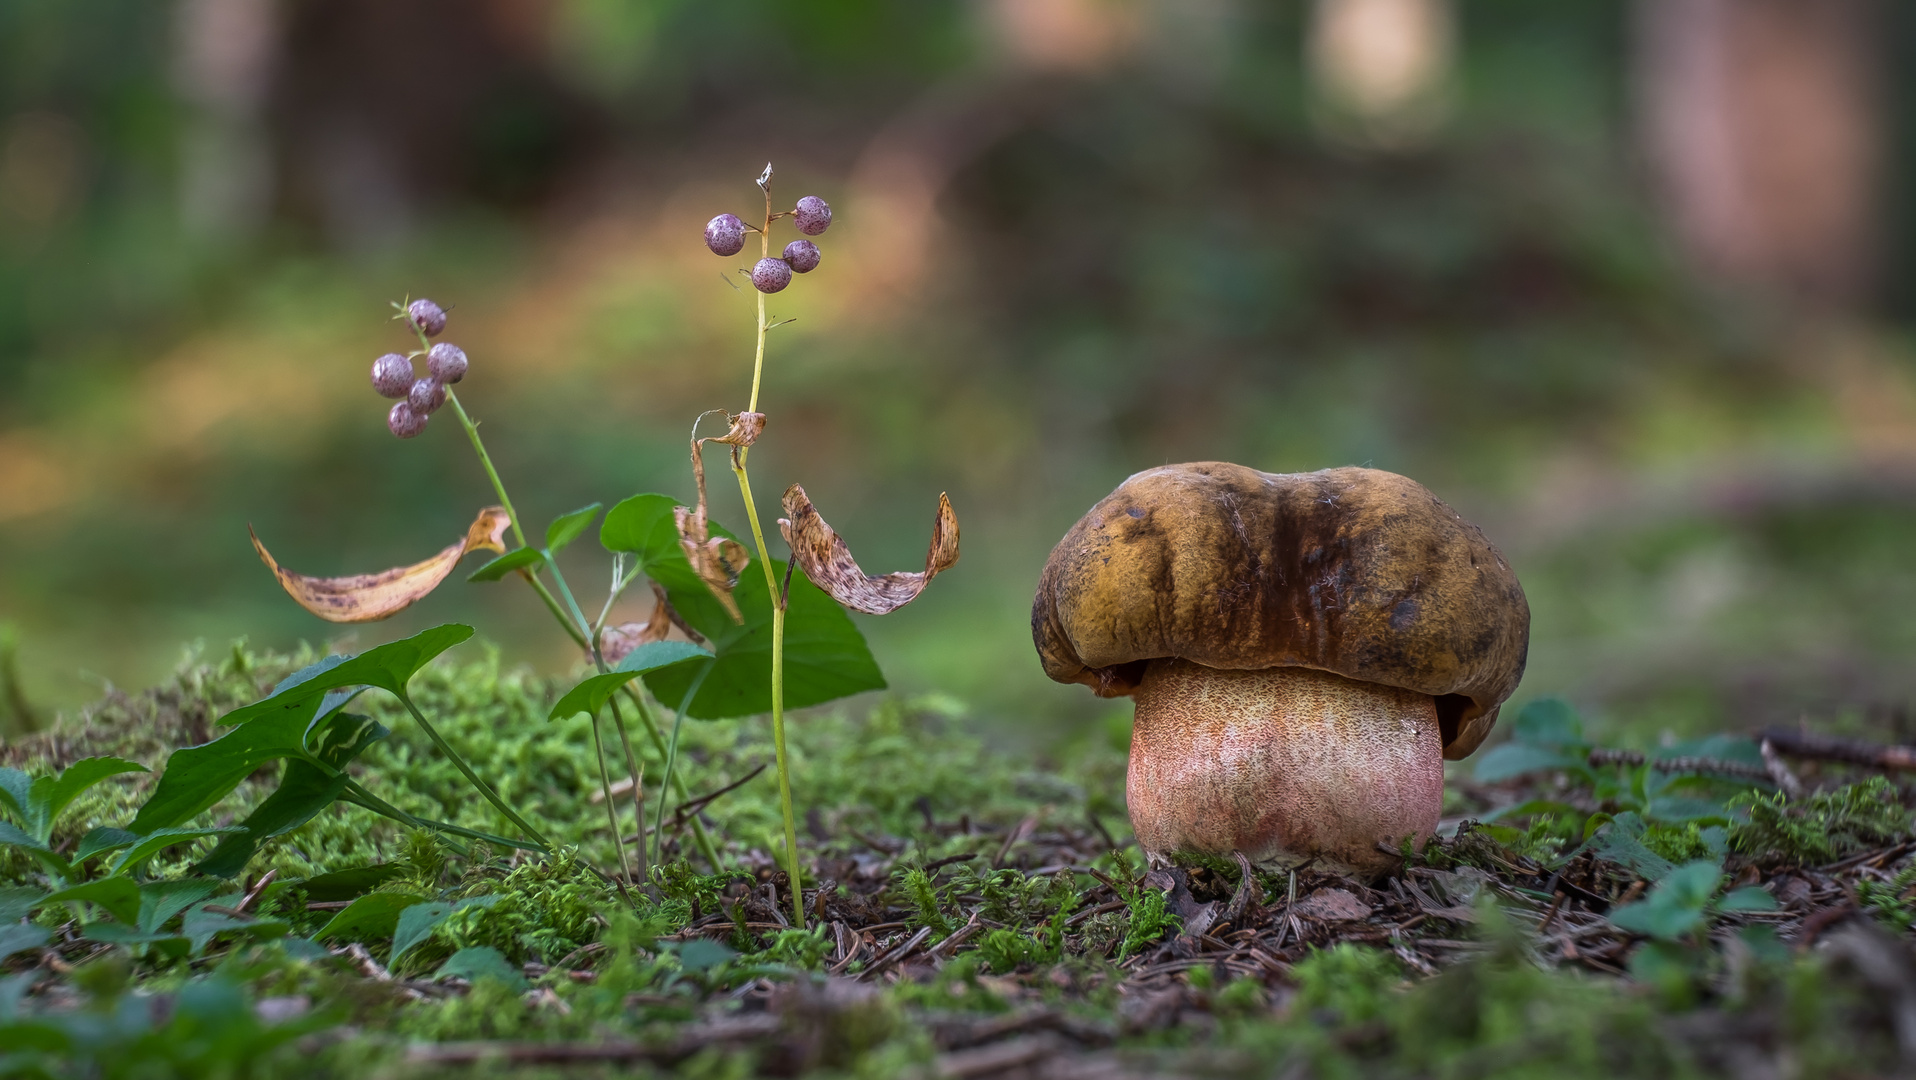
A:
<point x="1359" y="572"/>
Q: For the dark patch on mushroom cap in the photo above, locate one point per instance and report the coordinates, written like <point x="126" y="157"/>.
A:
<point x="1355" y="571"/>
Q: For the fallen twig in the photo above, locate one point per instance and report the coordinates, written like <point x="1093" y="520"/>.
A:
<point x="896" y="953"/>
<point x="1679" y="764"/>
<point x="1828" y="748"/>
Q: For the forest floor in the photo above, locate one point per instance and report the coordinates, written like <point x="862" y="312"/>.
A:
<point x="1584" y="912"/>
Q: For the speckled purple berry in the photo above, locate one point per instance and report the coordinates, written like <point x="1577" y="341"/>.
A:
<point x="812" y="215"/>
<point x="426" y="396"/>
<point x="771" y="275"/>
<point x="428" y="316"/>
<point x="403" y="422"/>
<point x="802" y="255"/>
<point x="725" y="234"/>
<point x="447" y="362"/>
<point x="392" y="375"/>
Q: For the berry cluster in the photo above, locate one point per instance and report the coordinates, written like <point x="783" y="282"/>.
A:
<point x="393" y="374"/>
<point x="725" y="235"/>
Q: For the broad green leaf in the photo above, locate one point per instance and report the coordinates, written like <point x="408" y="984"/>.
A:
<point x="118" y="896"/>
<point x="16" y="938"/>
<point x="1676" y="906"/>
<point x="18" y="901"/>
<point x="392" y="665"/>
<point x="1621" y="843"/>
<point x="200" y="776"/>
<point x="477" y="962"/>
<point x="1664" y="921"/>
<point x="172" y="945"/>
<point x="1512" y="759"/>
<point x="1692" y="884"/>
<point x="161" y="900"/>
<point x="302" y="793"/>
<point x="52" y="794"/>
<point x="590" y="696"/>
<point x="1678" y="808"/>
<point x="702" y="953"/>
<point x="308" y="673"/>
<point x="508" y="563"/>
<point x="643" y="527"/>
<point x="18" y="837"/>
<point x="336" y="740"/>
<point x="201" y="926"/>
<point x="350" y="884"/>
<point x="567" y="527"/>
<point x="15" y="795"/>
<point x="304" y="790"/>
<point x="369" y="918"/>
<point x="1749" y="898"/>
<point x="826" y="658"/>
<point x="416" y="923"/>
<point x="197" y="777"/>
<point x="103" y="839"/>
<point x="159" y="840"/>
<point x="1548" y="722"/>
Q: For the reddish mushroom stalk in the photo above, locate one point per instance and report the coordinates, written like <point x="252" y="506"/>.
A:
<point x="1281" y="764"/>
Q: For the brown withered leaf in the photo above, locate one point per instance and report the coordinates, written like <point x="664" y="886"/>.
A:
<point x="617" y="642"/>
<point x="828" y="562"/>
<point x="717" y="560"/>
<point x="371" y="597"/>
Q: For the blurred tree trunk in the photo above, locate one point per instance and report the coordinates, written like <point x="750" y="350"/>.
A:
<point x="1763" y="126"/>
<point x="225" y="54"/>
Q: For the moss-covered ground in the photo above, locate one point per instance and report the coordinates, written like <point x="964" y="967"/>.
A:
<point x="970" y="914"/>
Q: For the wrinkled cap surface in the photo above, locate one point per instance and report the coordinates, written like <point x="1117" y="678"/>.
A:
<point x="1354" y="571"/>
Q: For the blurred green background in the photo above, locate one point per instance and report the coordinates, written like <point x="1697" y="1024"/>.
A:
<point x="1621" y="283"/>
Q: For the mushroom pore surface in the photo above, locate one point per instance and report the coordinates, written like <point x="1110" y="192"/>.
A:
<point x="1281" y="764"/>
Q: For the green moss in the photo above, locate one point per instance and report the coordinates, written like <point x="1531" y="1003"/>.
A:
<point x="1824" y="827"/>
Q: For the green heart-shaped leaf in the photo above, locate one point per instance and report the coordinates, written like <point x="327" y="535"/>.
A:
<point x="118" y="896"/>
<point x="369" y="918"/>
<point x="507" y="563"/>
<point x="477" y="962"/>
<point x="276" y="727"/>
<point x="590" y="696"/>
<point x="161" y="900"/>
<point x="567" y="527"/>
<point x="826" y="658"/>
<point x="350" y="884"/>
<point x="417" y="922"/>
<point x="159" y="840"/>
<point x="49" y="795"/>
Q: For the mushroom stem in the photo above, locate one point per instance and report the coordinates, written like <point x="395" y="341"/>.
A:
<point x="1282" y="765"/>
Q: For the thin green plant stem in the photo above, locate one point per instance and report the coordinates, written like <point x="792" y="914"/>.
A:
<point x="359" y="796"/>
<point x="674" y="783"/>
<point x="459" y="763"/>
<point x="672" y="757"/>
<point x="611" y="807"/>
<point x="637" y="773"/>
<point x="778" y="697"/>
<point x="578" y="633"/>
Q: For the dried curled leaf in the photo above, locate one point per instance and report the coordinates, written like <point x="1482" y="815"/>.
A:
<point x="371" y="597"/>
<point x="829" y="563"/>
<point x="617" y="642"/>
<point x="717" y="560"/>
<point x="746" y="427"/>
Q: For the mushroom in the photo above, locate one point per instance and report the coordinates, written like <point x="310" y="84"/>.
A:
<point x="1305" y="649"/>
